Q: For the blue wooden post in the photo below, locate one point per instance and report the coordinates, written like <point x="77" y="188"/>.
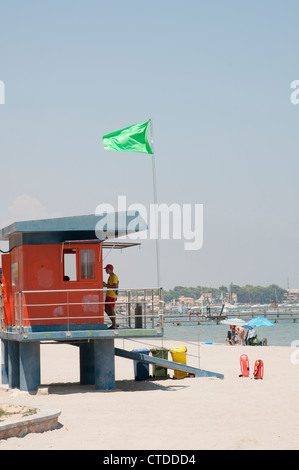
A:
<point x="29" y="365"/>
<point x="13" y="364"/>
<point x="4" y="361"/>
<point x="104" y="364"/>
<point x="87" y="375"/>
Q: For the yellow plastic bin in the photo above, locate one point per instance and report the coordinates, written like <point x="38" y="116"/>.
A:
<point x="179" y="355"/>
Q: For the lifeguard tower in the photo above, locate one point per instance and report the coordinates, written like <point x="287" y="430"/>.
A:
<point x="52" y="279"/>
<point x="53" y="290"/>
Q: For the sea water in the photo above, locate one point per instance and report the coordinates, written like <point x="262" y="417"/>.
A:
<point x="283" y="333"/>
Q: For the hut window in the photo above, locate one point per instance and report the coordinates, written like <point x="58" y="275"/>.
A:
<point x="87" y="262"/>
<point x="69" y="265"/>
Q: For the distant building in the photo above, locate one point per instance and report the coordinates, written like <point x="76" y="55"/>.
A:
<point x="292" y="295"/>
<point x="186" y="300"/>
<point x="207" y="297"/>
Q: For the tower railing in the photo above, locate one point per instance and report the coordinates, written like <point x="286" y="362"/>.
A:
<point x="134" y="308"/>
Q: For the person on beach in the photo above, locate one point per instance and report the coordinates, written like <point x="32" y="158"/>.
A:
<point x="241" y="333"/>
<point x="111" y="294"/>
<point x="250" y="336"/>
<point x="231" y="335"/>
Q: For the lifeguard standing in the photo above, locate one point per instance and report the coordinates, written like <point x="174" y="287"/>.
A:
<point x="111" y="295"/>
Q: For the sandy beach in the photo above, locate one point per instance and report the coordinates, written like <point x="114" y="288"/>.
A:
<point x="190" y="413"/>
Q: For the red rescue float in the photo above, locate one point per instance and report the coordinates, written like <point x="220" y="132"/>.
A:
<point x="244" y="364"/>
<point x="258" y="369"/>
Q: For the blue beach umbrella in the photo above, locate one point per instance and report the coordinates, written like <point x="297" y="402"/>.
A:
<point x="260" y="321"/>
<point x="247" y="327"/>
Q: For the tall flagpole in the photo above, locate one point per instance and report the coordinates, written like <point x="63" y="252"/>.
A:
<point x="155" y="204"/>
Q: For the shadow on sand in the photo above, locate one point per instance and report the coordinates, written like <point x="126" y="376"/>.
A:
<point x="169" y="385"/>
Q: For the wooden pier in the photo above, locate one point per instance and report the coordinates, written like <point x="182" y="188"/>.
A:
<point x="276" y="315"/>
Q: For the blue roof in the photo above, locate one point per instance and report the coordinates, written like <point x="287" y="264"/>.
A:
<point x="83" y="227"/>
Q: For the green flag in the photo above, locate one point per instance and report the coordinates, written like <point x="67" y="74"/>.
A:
<point x="130" y="139"/>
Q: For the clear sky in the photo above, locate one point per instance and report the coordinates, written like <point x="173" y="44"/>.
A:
<point x="215" y="78"/>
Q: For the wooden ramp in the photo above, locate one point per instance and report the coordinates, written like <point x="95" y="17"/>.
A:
<point x="137" y="356"/>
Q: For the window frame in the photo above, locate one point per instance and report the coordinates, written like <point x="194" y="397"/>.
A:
<point x="69" y="250"/>
<point x="77" y="250"/>
<point x="80" y="264"/>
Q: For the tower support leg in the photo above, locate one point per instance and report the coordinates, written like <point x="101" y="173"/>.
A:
<point x="4" y="361"/>
<point x="104" y="364"/>
<point x="29" y="365"/>
<point x="87" y="368"/>
<point x="13" y="364"/>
